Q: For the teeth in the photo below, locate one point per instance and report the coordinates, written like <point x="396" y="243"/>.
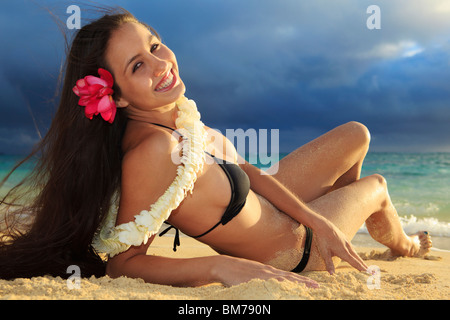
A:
<point x="166" y="83"/>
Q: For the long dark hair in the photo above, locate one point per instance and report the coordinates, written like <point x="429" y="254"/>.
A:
<point x="77" y="173"/>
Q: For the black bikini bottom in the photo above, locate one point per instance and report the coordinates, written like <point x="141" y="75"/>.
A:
<point x="299" y="268"/>
<point x="308" y="241"/>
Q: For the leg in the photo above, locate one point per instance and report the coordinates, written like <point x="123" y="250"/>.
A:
<point x="367" y="200"/>
<point x="324" y="173"/>
<point x="327" y="163"/>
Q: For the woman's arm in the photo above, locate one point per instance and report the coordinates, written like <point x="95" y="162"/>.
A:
<point x="280" y="196"/>
<point x="135" y="263"/>
<point x="191" y="272"/>
<point x="331" y="241"/>
<point x="146" y="173"/>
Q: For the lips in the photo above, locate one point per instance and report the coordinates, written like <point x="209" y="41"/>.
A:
<point x="167" y="82"/>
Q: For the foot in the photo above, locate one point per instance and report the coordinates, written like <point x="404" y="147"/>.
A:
<point x="421" y="244"/>
<point x="417" y="245"/>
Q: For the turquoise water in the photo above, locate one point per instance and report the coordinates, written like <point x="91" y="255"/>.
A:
<point x="7" y="162"/>
<point x="419" y="185"/>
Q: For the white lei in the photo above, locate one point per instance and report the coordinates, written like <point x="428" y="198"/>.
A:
<point x="113" y="239"/>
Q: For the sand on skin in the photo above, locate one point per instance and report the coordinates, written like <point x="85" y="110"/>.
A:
<point x="402" y="278"/>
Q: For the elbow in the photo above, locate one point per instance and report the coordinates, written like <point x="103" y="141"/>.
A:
<point x="114" y="269"/>
<point x="117" y="267"/>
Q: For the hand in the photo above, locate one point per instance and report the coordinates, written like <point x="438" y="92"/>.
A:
<point x="232" y="271"/>
<point x="332" y="242"/>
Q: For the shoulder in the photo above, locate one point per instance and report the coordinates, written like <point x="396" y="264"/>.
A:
<point x="149" y="164"/>
<point x="219" y="142"/>
<point x="147" y="171"/>
<point x="154" y="148"/>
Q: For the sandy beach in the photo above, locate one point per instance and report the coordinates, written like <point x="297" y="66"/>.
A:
<point x="393" y="279"/>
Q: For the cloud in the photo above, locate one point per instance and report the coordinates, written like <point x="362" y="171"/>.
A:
<point x="393" y="50"/>
<point x="300" y="66"/>
<point x="17" y="140"/>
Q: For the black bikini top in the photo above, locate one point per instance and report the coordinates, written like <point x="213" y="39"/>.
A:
<point x="240" y="187"/>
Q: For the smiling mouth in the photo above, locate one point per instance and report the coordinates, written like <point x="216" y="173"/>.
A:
<point x="167" y="82"/>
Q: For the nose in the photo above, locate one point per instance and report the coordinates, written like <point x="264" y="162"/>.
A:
<point x="159" y="66"/>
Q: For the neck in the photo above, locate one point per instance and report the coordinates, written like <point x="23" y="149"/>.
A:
<point x="165" y="115"/>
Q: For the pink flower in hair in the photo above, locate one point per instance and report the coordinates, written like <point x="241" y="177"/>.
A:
<point x="96" y="95"/>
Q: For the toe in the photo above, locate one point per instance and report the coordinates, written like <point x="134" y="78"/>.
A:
<point x="425" y="239"/>
<point x="425" y="242"/>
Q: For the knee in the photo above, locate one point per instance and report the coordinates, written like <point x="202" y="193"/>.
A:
<point x="360" y="133"/>
<point x="381" y="189"/>
<point x="379" y="179"/>
<point x="379" y="185"/>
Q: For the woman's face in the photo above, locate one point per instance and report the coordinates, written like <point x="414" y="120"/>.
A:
<point x="145" y="70"/>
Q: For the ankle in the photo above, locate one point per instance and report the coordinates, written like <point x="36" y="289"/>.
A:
<point x="403" y="248"/>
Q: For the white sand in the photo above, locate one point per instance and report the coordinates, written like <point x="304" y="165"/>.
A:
<point x="402" y="278"/>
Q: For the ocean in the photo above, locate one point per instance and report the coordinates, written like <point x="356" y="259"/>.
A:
<point x="419" y="185"/>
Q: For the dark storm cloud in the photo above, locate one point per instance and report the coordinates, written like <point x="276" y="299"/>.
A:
<point x="300" y="66"/>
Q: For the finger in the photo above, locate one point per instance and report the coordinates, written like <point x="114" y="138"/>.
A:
<point x="355" y="260"/>
<point x="300" y="279"/>
<point x="329" y="263"/>
<point x="326" y="256"/>
<point x="309" y="283"/>
<point x="281" y="275"/>
<point x="358" y="262"/>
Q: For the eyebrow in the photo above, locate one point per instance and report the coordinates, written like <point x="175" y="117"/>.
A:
<point x="150" y="38"/>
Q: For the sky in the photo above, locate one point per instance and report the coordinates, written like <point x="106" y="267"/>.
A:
<point x="301" y="67"/>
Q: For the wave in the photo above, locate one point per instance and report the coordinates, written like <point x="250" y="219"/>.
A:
<point x="421" y="208"/>
<point x="413" y="224"/>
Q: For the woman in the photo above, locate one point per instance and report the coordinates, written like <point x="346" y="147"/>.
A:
<point x="125" y="138"/>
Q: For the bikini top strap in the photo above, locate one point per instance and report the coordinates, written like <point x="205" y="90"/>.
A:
<point x="163" y="126"/>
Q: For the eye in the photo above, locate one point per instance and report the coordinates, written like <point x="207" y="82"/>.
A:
<point x="137" y="66"/>
<point x="154" y="47"/>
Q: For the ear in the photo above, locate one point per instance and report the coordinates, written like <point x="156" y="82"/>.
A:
<point x="122" y="103"/>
